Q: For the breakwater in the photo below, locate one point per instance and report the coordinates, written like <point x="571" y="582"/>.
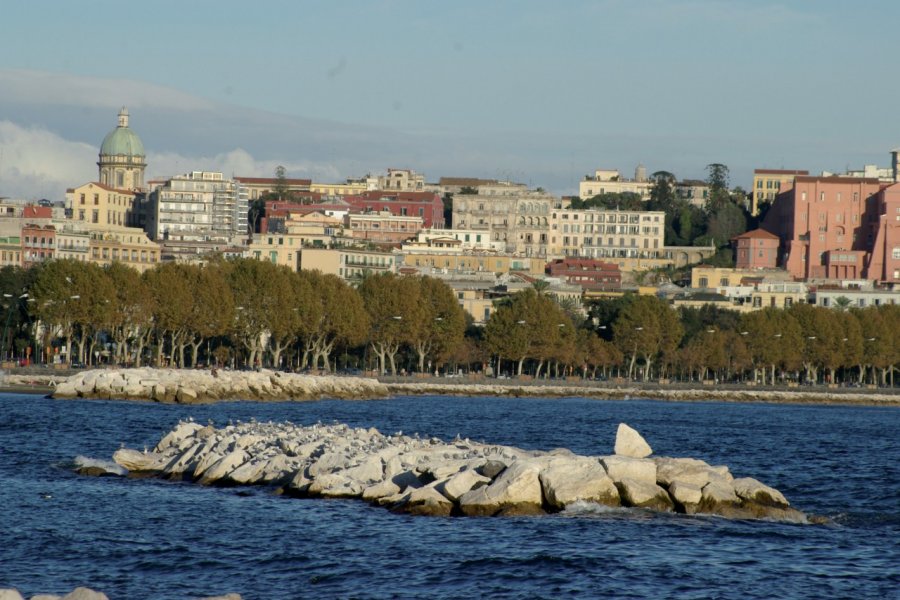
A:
<point x="429" y="476"/>
<point x="186" y="386"/>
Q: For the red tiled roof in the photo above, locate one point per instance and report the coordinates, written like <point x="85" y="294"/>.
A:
<point x="756" y="234"/>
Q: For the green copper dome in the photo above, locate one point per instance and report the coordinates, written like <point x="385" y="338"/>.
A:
<point x="122" y="140"/>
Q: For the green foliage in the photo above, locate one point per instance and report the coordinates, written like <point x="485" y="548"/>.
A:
<point x="611" y="201"/>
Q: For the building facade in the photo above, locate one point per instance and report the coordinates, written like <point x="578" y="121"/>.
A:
<point x="609" y="181"/>
<point x="838" y="228"/>
<point x="200" y="206"/>
<point x="122" y="158"/>
<point x="757" y="249"/>
<point x="767" y="184"/>
<point x="98" y="204"/>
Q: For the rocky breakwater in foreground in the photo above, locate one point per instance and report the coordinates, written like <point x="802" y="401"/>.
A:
<point x="433" y="477"/>
<point x="187" y="386"/>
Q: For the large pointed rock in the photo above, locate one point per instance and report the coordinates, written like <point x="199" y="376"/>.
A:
<point x="515" y="491"/>
<point x="630" y="443"/>
<point x="566" y="481"/>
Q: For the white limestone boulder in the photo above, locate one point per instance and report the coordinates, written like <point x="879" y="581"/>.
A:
<point x="182" y="431"/>
<point x="425" y="501"/>
<point x="220" y="471"/>
<point x="630" y="443"/>
<point x="140" y="462"/>
<point x="455" y="486"/>
<point x="516" y="491"/>
<point x="642" y="494"/>
<point x="750" y="489"/>
<point x="566" y="481"/>
<point x="625" y="467"/>
<point x="687" y="496"/>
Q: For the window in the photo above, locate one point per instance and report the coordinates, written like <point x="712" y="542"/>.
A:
<point x="704" y="282"/>
<point x="895" y="253"/>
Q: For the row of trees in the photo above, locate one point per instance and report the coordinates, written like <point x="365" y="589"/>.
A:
<point x="244" y="311"/>
<point x="251" y="313"/>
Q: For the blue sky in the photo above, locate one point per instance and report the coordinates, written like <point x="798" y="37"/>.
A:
<point x="539" y="92"/>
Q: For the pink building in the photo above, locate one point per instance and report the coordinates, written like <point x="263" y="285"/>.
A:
<point x="757" y="249"/>
<point x="838" y="228"/>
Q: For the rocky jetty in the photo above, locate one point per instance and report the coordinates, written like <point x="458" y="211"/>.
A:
<point x="187" y="386"/>
<point x="428" y="476"/>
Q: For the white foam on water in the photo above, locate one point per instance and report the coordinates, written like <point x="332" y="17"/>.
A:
<point x="107" y="465"/>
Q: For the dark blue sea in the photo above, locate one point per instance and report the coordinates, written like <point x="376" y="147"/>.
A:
<point x="149" y="539"/>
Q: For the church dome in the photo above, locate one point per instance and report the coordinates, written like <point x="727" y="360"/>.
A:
<point x="122" y="140"/>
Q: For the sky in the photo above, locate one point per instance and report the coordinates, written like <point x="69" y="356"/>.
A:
<point x="537" y="92"/>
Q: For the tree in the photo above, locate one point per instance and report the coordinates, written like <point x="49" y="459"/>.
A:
<point x="773" y="339"/>
<point x="442" y="322"/>
<point x="133" y="309"/>
<point x="717" y="179"/>
<point x="663" y="191"/>
<point x="337" y="316"/>
<point x="393" y="303"/>
<point x="646" y="327"/>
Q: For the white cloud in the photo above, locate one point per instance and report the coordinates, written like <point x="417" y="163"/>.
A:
<point x="36" y="163"/>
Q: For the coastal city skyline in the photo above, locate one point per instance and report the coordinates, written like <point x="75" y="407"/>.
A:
<point x="525" y="92"/>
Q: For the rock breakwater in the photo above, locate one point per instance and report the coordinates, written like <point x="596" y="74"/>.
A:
<point x="429" y="476"/>
<point x="187" y="386"/>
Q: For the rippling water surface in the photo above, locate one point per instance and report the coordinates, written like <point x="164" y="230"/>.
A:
<point x="150" y="539"/>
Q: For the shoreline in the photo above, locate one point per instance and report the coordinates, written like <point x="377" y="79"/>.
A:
<point x="45" y="384"/>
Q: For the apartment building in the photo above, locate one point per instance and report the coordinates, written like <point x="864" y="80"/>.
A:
<point x="767" y="184"/>
<point x="838" y="228"/>
<point x="200" y="206"/>
<point x="101" y="205"/>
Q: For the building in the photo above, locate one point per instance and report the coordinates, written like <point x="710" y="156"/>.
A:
<point x="483" y="187"/>
<point x="11" y="251"/>
<point x="471" y="262"/>
<point x="381" y="227"/>
<point x="852" y="297"/>
<point x="122" y="158"/>
<point x="838" y="228"/>
<point x="257" y="187"/>
<point x="521" y="221"/>
<point x="767" y="184"/>
<point x="38" y="244"/>
<point x="442" y="240"/>
<point x="401" y="180"/>
<point x="350" y="187"/>
<point x="73" y="241"/>
<point x="757" y="249"/>
<point x="200" y="206"/>
<point x="99" y="204"/>
<point x="606" y="233"/>
<point x="609" y="181"/>
<point x="588" y="273"/>
<point x="127" y="245"/>
<point x="428" y="206"/>
<point x="883" y="174"/>
<point x="693" y="191"/>
<point x="347" y="263"/>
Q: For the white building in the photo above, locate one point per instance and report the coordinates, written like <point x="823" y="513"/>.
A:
<point x="200" y="206"/>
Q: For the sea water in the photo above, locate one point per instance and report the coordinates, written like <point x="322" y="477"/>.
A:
<point x="152" y="539"/>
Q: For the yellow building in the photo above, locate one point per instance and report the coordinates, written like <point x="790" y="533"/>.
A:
<point x="127" y="245"/>
<point x="473" y="262"/>
<point x="11" y="251"/>
<point x="767" y="183"/>
<point x="349" y="188"/>
<point x="347" y="263"/>
<point x="99" y="204"/>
